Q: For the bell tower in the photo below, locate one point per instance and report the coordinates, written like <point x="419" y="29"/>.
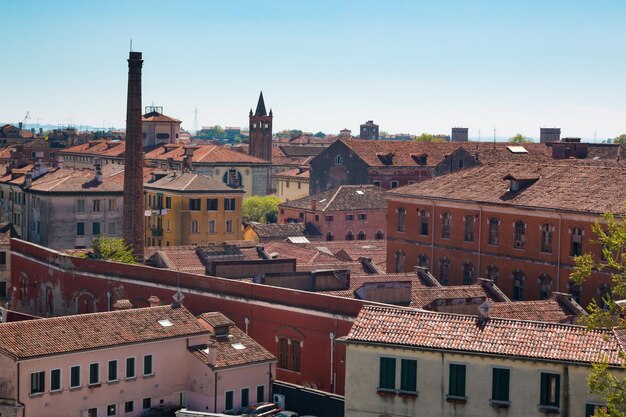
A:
<point x="261" y="131"/>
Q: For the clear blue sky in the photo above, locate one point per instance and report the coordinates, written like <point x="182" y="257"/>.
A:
<point x="414" y="66"/>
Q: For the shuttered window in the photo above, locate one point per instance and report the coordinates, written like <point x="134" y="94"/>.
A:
<point x="550" y="389"/>
<point x="500" y="384"/>
<point x="408" y="375"/>
<point x="457" y="380"/>
<point x="387" y="373"/>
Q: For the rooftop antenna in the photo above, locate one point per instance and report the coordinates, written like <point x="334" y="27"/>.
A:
<point x="479" y="135"/>
<point x="494" y="136"/>
<point x="131" y="44"/>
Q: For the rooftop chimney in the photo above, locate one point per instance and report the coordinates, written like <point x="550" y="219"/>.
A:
<point x="154" y="301"/>
<point x="98" y="164"/>
<point x="60" y="161"/>
<point x="122" y="305"/>
<point x="133" y="160"/>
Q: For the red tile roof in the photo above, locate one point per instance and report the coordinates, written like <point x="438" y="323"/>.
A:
<point x="493" y="336"/>
<point x="203" y="154"/>
<point x="158" y="117"/>
<point x="342" y="198"/>
<point x="296" y="173"/>
<point x="28" y="339"/>
<point x="108" y="148"/>
<point x="567" y="187"/>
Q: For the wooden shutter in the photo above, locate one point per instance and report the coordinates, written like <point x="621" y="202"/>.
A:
<point x="543" y="400"/>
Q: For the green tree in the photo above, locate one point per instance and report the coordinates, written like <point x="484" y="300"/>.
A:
<point x="519" y="138"/>
<point x="112" y="249"/>
<point x="256" y="208"/>
<point x="320" y="135"/>
<point x="621" y="139"/>
<point x="427" y="137"/>
<point x="611" y="236"/>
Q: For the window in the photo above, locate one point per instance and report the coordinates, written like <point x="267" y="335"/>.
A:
<point x="211" y="226"/>
<point x="399" y="261"/>
<point x="129" y="406"/>
<point x="590" y="409"/>
<point x="575" y="290"/>
<point x="376" y="183"/>
<point x="37" y="382"/>
<point x="468" y="235"/>
<point x="400" y="219"/>
<point x="387" y="380"/>
<point x="146" y="403"/>
<point x="80" y="229"/>
<point x="329" y="237"/>
<point x="445" y="225"/>
<point x="194" y="226"/>
<point x="283" y="354"/>
<point x="423" y="222"/>
<point x="95" y="228"/>
<point x="444" y="271"/>
<point x="245" y="397"/>
<point x="112" y="371"/>
<point x="94" y="373"/>
<point x="194" y="204"/>
<point x="229" y="402"/>
<point x="520" y="235"/>
<point x="286" y="184"/>
<point x="492" y="273"/>
<point x="380" y="235"/>
<point x="80" y="206"/>
<point x="55" y="380"/>
<point x="112" y="204"/>
<point x="111" y="410"/>
<point x="130" y="368"/>
<point x="338" y="160"/>
<point x="92" y="412"/>
<point x="349" y="235"/>
<point x="212" y="204"/>
<point x="361" y="235"/>
<point x="295" y="355"/>
<point x="260" y="393"/>
<point x="468" y="272"/>
<point x="349" y="217"/>
<point x="168" y="202"/>
<point x="394" y="184"/>
<point x="96" y="205"/>
<point x="75" y="376"/>
<point x="550" y="390"/>
<point x="229" y="226"/>
<point x="546" y="238"/>
<point x="457" y="381"/>
<point x="518" y="285"/>
<point x="362" y="216"/>
<point x="500" y="384"/>
<point x="111" y="227"/>
<point x="422" y="260"/>
<point x="229" y="204"/>
<point x="408" y="375"/>
<point x="3" y="259"/>
<point x="545" y="283"/>
<point x="147" y="365"/>
<point x="577" y="242"/>
<point x="329" y="218"/>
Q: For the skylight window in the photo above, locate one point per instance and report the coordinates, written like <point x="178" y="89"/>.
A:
<point x="517" y="149"/>
<point x="360" y="192"/>
<point x="322" y="200"/>
<point x="238" y="346"/>
<point x="165" y="323"/>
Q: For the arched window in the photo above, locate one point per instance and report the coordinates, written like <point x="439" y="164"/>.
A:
<point x="577" y="242"/>
<point x="283" y="353"/>
<point x="295" y="355"/>
<point x="399" y="261"/>
<point x="380" y="235"/>
<point x="444" y="271"/>
<point x="468" y="272"/>
<point x="349" y="235"/>
<point x="574" y="290"/>
<point x="519" y="238"/>
<point x="493" y="273"/>
<point x="546" y="238"/>
<point x="518" y="285"/>
<point x="545" y="284"/>
<point x="468" y="223"/>
<point x="329" y="236"/>
<point x="494" y="231"/>
<point x="360" y="235"/>
<point x="194" y="226"/>
<point x="422" y="260"/>
<point x="233" y="178"/>
<point x="445" y="225"/>
<point x="400" y="218"/>
<point x="423" y="222"/>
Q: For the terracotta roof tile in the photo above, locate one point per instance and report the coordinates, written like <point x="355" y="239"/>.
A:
<point x="190" y="182"/>
<point x="202" y="154"/>
<point x="344" y="197"/>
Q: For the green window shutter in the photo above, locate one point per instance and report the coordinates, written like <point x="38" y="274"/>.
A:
<point x="452" y="383"/>
<point x="387" y="373"/>
<point x="590" y="409"/>
<point x="461" y="380"/>
<point x="557" y="399"/>
<point x="504" y="387"/>
<point x="543" y="400"/>
<point x="408" y="377"/>
<point x="495" y="385"/>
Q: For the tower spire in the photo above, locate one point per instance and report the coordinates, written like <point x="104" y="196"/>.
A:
<point x="260" y="107"/>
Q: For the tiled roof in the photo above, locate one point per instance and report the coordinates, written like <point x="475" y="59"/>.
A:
<point x="494" y="336"/>
<point x="203" y="154"/>
<point x="354" y="249"/>
<point x="568" y="187"/>
<point x="158" y="117"/>
<point x="300" y="151"/>
<point x="27" y="339"/>
<point x="109" y="148"/>
<point x="285" y="250"/>
<point x="550" y="310"/>
<point x="342" y="198"/>
<point x="296" y="173"/>
<point x="190" y="182"/>
<point x="216" y="319"/>
<point x="237" y="349"/>
<point x="422" y="297"/>
<point x="284" y="230"/>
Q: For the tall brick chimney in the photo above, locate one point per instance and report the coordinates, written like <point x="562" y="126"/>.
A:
<point x="133" y="160"/>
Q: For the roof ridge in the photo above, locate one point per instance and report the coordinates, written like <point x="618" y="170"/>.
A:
<point x="333" y="197"/>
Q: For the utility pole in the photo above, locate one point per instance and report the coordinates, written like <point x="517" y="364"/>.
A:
<point x="195" y="121"/>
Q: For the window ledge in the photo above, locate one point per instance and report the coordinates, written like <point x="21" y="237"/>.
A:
<point x="96" y="385"/>
<point x="56" y="391"/>
<point x="130" y="378"/>
<point x="386" y="392"/>
<point x="408" y="394"/>
<point x="499" y="403"/>
<point x="75" y="388"/>
<point x="551" y="409"/>
<point x="36" y="394"/>
<point x="456" y="399"/>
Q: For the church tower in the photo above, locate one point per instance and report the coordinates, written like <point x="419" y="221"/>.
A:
<point x="261" y="131"/>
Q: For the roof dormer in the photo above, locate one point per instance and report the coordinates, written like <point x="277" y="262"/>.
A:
<point x="386" y="158"/>
<point x="519" y="181"/>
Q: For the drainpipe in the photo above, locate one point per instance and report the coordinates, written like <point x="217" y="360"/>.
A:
<point x="215" y="394"/>
<point x="331" y="335"/>
<point x="558" y="257"/>
<point x="108" y="301"/>
<point x="480" y="229"/>
<point x="270" y="386"/>
<point x="247" y="321"/>
<point x="432" y="240"/>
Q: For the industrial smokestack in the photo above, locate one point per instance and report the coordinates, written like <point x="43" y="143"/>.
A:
<point x="133" y="160"/>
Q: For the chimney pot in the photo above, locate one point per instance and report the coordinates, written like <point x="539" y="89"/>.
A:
<point x="154" y="301"/>
<point x="122" y="304"/>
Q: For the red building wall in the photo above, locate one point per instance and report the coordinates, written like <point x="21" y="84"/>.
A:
<point x="48" y="283"/>
<point x="504" y="256"/>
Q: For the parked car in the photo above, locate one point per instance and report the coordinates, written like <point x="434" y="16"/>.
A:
<point x="237" y="411"/>
<point x="261" y="410"/>
<point x="162" y="411"/>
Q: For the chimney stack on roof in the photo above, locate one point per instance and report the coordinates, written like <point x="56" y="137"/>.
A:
<point x="98" y="165"/>
<point x="154" y="301"/>
<point x="123" y="304"/>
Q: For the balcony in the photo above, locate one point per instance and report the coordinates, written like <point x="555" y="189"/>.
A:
<point x="157" y="232"/>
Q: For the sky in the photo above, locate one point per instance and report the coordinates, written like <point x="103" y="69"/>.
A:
<point x="411" y="66"/>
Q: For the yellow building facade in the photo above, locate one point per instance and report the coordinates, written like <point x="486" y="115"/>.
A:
<point x="191" y="209"/>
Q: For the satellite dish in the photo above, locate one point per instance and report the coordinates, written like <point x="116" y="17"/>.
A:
<point x="485" y="308"/>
